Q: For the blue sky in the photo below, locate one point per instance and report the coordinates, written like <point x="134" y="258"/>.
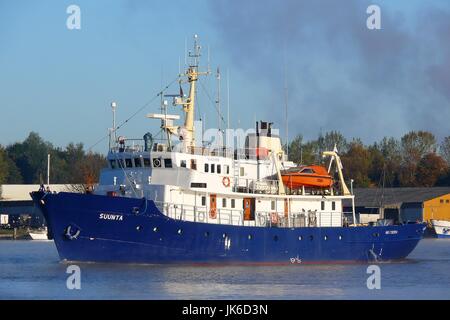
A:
<point x="340" y="75"/>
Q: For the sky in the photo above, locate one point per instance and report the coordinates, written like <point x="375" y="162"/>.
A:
<point x="339" y="75"/>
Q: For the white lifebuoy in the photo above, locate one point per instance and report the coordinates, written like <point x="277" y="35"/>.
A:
<point x="262" y="220"/>
<point x="201" y="216"/>
<point x="69" y="234"/>
<point x="226" y="181"/>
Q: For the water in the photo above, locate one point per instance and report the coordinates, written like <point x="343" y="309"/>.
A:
<point x="31" y="270"/>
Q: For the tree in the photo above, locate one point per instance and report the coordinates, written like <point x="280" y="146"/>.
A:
<point x="430" y="168"/>
<point x="414" y="146"/>
<point x="356" y="162"/>
<point x="444" y="149"/>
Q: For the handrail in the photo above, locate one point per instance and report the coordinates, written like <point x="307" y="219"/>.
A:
<point x="261" y="218"/>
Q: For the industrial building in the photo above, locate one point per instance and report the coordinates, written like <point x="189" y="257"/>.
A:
<point x="401" y="204"/>
<point x="17" y="208"/>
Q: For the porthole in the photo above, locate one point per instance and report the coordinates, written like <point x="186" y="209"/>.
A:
<point x="224" y="235"/>
<point x="340" y="237"/>
<point x="206" y="233"/>
<point x="300" y="238"/>
<point x="138" y="228"/>
<point x="180" y="231"/>
<point x="275" y="238"/>
<point x="249" y="237"/>
<point x="155" y="229"/>
<point x="311" y="238"/>
<point x="325" y="238"/>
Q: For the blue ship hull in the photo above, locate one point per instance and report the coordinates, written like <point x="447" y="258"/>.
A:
<point x="96" y="228"/>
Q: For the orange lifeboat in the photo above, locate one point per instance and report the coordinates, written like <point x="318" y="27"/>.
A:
<point x="307" y="176"/>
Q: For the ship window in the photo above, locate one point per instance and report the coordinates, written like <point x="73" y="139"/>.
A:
<point x="146" y="162"/>
<point x="307" y="170"/>
<point x="183" y="163"/>
<point x="300" y="238"/>
<point x="249" y="237"/>
<point x="233" y="203"/>
<point x="193" y="164"/>
<point x="227" y="169"/>
<point x="224" y="203"/>
<point x="325" y="238"/>
<point x="206" y="167"/>
<point x="128" y="163"/>
<point x="311" y="238"/>
<point x="113" y="164"/>
<point x="441" y="201"/>
<point x="275" y="238"/>
<point x="333" y="205"/>
<point x="447" y="201"/>
<point x="203" y="201"/>
<point x="138" y="228"/>
<point x="212" y="167"/>
<point x="168" y="163"/>
<point x="180" y="231"/>
<point x="322" y="205"/>
<point x="137" y="162"/>
<point x="272" y="205"/>
<point x="340" y="237"/>
<point x="241" y="172"/>
<point x="206" y="234"/>
<point x="218" y="168"/>
<point x="155" y="229"/>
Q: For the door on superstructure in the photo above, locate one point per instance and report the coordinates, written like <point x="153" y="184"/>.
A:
<point x="249" y="209"/>
<point x="212" y="206"/>
<point x="286" y="207"/>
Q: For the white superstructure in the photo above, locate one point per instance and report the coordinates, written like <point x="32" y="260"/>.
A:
<point x="193" y="182"/>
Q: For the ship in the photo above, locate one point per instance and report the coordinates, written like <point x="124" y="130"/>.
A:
<point x="441" y="228"/>
<point x="180" y="200"/>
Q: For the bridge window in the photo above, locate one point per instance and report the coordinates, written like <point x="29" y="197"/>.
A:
<point x="272" y="205"/>
<point x="183" y="163"/>
<point x="233" y="203"/>
<point x="241" y="172"/>
<point x="224" y="203"/>
<point x="333" y="205"/>
<point x="206" y="167"/>
<point x="193" y="164"/>
<point x="213" y="168"/>
<point x="113" y="164"/>
<point x="203" y="201"/>
<point x="128" y="163"/>
<point x="322" y="205"/>
<point x="137" y="162"/>
<point x="227" y="169"/>
<point x="146" y="162"/>
<point x="168" y="163"/>
<point x="218" y="169"/>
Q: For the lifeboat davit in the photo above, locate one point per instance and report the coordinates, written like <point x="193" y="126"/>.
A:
<point x="307" y="176"/>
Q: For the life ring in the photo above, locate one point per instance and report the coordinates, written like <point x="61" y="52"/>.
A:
<point x="226" y="181"/>
<point x="262" y="220"/>
<point x="213" y="213"/>
<point x="70" y="234"/>
<point x="274" y="218"/>
<point x="201" y="216"/>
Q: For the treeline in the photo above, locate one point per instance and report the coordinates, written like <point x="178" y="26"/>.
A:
<point x="415" y="160"/>
<point x="26" y="162"/>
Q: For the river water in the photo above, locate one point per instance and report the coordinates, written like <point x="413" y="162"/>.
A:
<point x="31" y="270"/>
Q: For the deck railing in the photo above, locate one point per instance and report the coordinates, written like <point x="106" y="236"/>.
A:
<point x="258" y="219"/>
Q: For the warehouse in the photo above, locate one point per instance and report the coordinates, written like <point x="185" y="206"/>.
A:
<point x="401" y="204"/>
<point x="17" y="208"/>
